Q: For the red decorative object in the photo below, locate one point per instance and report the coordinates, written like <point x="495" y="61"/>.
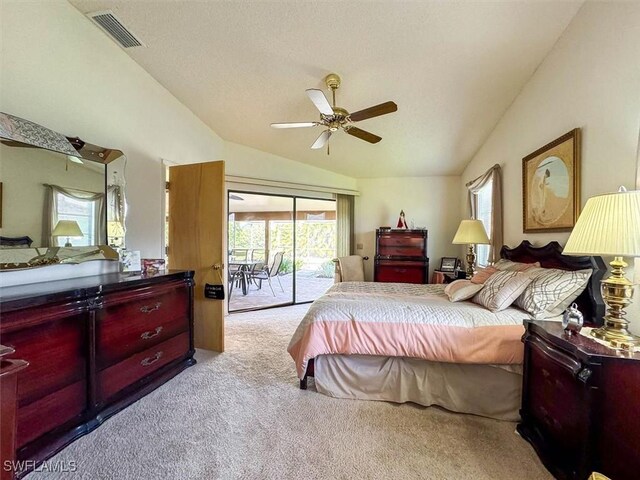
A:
<point x="402" y="223"/>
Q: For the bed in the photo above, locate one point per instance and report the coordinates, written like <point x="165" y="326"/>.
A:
<point x="459" y="356"/>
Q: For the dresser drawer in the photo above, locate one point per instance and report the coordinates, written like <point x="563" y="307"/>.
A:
<point x="400" y="272"/>
<point x="54" y="343"/>
<point x="119" y="376"/>
<point x="51" y="411"/>
<point x="135" y="321"/>
<point x="557" y="398"/>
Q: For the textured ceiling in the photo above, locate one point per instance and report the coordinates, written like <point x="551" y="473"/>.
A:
<point x="453" y="68"/>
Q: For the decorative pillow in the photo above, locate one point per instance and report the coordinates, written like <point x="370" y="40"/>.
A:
<point x="552" y="291"/>
<point x="459" y="290"/>
<point x="483" y="274"/>
<point x="504" y="264"/>
<point x="501" y="289"/>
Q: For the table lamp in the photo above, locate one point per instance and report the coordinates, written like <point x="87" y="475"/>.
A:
<point x="610" y="225"/>
<point x="471" y="232"/>
<point x="67" y="228"/>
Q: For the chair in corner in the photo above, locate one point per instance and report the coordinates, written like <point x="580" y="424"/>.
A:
<point x="349" y="269"/>
<point x="269" y="271"/>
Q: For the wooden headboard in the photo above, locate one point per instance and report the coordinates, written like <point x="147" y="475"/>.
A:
<point x="550" y="255"/>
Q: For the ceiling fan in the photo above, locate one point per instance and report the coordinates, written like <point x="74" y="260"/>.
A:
<point x="336" y="118"/>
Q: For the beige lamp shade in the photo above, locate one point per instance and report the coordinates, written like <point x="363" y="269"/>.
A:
<point x="471" y="232"/>
<point x="115" y="229"/>
<point x="67" y="228"/>
<point x="608" y="225"/>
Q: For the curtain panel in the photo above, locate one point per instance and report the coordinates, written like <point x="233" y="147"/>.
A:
<point x="51" y="212"/>
<point x="344" y="224"/>
<point x="494" y="175"/>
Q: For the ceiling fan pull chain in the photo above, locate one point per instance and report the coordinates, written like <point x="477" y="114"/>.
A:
<point x="328" y="149"/>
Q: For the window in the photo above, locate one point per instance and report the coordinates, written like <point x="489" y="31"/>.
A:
<point x="83" y="212"/>
<point x="484" y="211"/>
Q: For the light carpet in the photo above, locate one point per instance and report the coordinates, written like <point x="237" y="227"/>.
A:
<point x="240" y="415"/>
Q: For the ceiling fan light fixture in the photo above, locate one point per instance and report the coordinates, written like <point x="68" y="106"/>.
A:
<point x="335" y="118"/>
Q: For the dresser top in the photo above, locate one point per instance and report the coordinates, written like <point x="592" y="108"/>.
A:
<point x="36" y="293"/>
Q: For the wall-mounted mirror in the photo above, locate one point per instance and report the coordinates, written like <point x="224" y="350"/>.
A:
<point x="57" y="205"/>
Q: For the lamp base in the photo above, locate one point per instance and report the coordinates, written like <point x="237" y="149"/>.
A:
<point x="471" y="261"/>
<point x="618" y="338"/>
<point x="617" y="292"/>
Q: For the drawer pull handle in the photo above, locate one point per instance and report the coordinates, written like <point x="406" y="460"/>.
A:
<point x="584" y="375"/>
<point x="151" y="360"/>
<point x="148" y="335"/>
<point x="149" y="309"/>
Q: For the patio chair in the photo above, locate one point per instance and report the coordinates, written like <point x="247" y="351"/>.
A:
<point x="267" y="272"/>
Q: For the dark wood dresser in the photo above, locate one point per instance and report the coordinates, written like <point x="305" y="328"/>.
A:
<point x="580" y="404"/>
<point x="401" y="256"/>
<point x="94" y="345"/>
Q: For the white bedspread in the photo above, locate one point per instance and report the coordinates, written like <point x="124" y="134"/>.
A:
<point x="406" y="320"/>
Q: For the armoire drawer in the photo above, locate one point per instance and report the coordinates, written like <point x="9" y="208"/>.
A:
<point x="151" y="319"/>
<point x="119" y="376"/>
<point x="400" y="272"/>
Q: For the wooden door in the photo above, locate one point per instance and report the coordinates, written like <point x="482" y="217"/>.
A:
<point x="196" y="239"/>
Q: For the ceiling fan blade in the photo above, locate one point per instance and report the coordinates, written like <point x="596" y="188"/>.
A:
<point x="295" y="124"/>
<point x="363" y="135"/>
<point x="376" y="111"/>
<point x="320" y="101"/>
<point x="322" y="140"/>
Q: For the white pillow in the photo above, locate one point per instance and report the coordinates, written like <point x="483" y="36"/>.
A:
<point x="501" y="289"/>
<point x="552" y="291"/>
<point x="460" y="290"/>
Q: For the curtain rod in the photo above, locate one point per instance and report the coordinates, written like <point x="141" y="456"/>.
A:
<point x="479" y="177"/>
<point x="71" y="188"/>
<point x="293" y="185"/>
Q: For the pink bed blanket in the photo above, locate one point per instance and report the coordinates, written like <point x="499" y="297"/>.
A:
<point x="404" y="320"/>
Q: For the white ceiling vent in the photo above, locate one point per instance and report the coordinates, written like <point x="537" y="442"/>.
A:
<point x="108" y="22"/>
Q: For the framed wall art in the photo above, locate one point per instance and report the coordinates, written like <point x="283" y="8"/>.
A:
<point x="551" y="185"/>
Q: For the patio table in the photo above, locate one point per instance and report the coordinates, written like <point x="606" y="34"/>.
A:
<point x="244" y="268"/>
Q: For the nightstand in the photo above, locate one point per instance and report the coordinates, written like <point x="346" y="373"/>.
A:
<point x="580" y="404"/>
<point x="440" y="276"/>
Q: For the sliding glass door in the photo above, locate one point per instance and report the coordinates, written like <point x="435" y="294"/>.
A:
<point x="280" y="249"/>
<point x="315" y="247"/>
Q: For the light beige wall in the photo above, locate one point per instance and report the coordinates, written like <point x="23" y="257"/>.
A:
<point x="431" y="202"/>
<point x="23" y="173"/>
<point x="591" y="80"/>
<point x="249" y="162"/>
<point x="61" y="71"/>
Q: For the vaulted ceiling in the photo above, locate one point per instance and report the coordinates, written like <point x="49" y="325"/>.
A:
<point x="453" y="68"/>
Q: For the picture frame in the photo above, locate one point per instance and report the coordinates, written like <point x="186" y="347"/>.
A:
<point x="551" y="185"/>
<point x="448" y="264"/>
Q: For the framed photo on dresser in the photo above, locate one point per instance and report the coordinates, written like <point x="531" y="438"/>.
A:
<point x="551" y="185"/>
